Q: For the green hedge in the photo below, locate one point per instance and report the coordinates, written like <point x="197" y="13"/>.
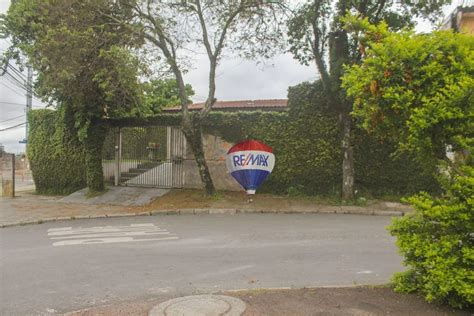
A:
<point x="306" y="142"/>
<point x="437" y="243"/>
<point x="57" y="159"/>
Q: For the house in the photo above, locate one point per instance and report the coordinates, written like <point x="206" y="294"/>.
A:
<point x="242" y="105"/>
<point x="158" y="156"/>
<point x="460" y="20"/>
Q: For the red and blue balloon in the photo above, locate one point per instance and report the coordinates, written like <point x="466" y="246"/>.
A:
<point x="250" y="162"/>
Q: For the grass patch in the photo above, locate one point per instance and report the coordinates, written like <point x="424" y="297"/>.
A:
<point x="92" y="194"/>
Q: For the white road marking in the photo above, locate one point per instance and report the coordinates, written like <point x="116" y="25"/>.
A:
<point x="106" y="241"/>
<point x="114" y="235"/>
<point x="69" y="236"/>
<point x="102" y="231"/>
<point x="365" y="272"/>
<point x="59" y="229"/>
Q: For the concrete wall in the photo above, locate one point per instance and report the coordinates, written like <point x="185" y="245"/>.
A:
<point x="466" y="25"/>
<point x="7" y="188"/>
<point x="215" y="151"/>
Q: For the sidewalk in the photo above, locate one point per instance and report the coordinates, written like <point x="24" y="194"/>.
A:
<point x="365" y="301"/>
<point x="29" y="208"/>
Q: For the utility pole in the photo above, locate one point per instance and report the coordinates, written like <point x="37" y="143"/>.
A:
<point x="29" y="98"/>
<point x="29" y="102"/>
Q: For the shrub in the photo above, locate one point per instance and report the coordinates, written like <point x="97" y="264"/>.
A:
<point x="437" y="242"/>
<point x="57" y="159"/>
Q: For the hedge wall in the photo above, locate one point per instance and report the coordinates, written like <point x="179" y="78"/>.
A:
<point x="57" y="160"/>
<point x="305" y="140"/>
<point x="307" y="146"/>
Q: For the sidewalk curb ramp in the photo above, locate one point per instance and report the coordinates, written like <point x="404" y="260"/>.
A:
<point x="227" y="211"/>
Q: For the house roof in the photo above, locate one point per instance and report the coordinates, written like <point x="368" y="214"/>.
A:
<point x="240" y="105"/>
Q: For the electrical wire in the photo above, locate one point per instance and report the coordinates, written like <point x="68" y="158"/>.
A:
<point x="17" y="71"/>
<point x="13" y="118"/>
<point x="12" y="127"/>
<point x="12" y="89"/>
<point x="12" y="103"/>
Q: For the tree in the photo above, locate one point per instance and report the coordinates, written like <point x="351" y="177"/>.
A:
<point x="417" y="90"/>
<point x="84" y="63"/>
<point x="317" y="35"/>
<point x="175" y="28"/>
<point x="163" y="93"/>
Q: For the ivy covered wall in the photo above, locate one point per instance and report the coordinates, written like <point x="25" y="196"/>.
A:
<point x="57" y="159"/>
<point x="305" y="140"/>
<point x="306" y="143"/>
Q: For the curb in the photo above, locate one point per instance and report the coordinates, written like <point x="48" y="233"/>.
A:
<point x="232" y="211"/>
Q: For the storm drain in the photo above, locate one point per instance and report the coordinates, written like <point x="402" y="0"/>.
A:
<point x="200" y="305"/>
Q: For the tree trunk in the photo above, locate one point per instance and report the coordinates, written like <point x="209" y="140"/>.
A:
<point x="93" y="148"/>
<point x="348" y="159"/>
<point x="193" y="134"/>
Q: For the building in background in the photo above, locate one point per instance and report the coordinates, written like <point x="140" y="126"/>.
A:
<point x="461" y="20"/>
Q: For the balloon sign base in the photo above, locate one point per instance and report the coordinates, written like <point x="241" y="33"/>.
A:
<point x="249" y="163"/>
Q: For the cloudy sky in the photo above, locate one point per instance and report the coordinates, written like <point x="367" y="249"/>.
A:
<point x="237" y="79"/>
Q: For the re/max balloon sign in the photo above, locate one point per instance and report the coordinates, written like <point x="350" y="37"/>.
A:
<point x="250" y="162"/>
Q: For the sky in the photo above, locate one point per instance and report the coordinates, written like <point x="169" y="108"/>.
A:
<point x="237" y="79"/>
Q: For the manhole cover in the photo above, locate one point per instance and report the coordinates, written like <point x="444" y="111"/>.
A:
<point x="200" y="305"/>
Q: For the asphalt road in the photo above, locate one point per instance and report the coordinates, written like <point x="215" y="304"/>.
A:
<point x="65" y="266"/>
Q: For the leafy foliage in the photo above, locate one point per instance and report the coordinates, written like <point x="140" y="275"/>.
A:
<point x="56" y="157"/>
<point x="317" y="34"/>
<point x="163" y="93"/>
<point x="438" y="246"/>
<point x="417" y="90"/>
<point x="83" y="62"/>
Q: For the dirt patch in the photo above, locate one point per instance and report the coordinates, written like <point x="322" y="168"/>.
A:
<point x="355" y="301"/>
<point x="339" y="301"/>
<point x="195" y="199"/>
<point x="183" y="199"/>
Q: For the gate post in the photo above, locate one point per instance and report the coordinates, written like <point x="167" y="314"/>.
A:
<point x="7" y="181"/>
<point x="168" y="143"/>
<point x="118" y="155"/>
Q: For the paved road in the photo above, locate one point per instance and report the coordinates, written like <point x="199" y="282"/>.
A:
<point x="64" y="266"/>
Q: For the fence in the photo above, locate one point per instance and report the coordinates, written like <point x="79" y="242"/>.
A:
<point x="145" y="156"/>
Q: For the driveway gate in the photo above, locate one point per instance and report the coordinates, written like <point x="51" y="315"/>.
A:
<point x="149" y="156"/>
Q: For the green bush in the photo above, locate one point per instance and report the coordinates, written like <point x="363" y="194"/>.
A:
<point x="57" y="159"/>
<point x="437" y="242"/>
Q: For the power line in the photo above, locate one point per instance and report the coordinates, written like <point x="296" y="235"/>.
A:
<point x="13" y="118"/>
<point x="12" y="127"/>
<point x="12" y="89"/>
<point x="17" y="71"/>
<point x="18" y="79"/>
<point x="12" y="103"/>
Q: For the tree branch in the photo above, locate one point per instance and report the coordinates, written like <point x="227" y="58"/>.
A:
<point x="211" y="100"/>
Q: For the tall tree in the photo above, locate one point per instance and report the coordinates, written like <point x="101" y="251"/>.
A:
<point x="417" y="90"/>
<point x="317" y="35"/>
<point x="176" y="29"/>
<point x="84" y="63"/>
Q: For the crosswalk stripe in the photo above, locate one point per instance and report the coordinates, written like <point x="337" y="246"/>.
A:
<point x="114" y="235"/>
<point x="107" y="241"/>
<point x="77" y="232"/>
<point x="67" y="236"/>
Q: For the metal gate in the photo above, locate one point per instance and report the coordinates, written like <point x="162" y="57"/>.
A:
<point x="149" y="156"/>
